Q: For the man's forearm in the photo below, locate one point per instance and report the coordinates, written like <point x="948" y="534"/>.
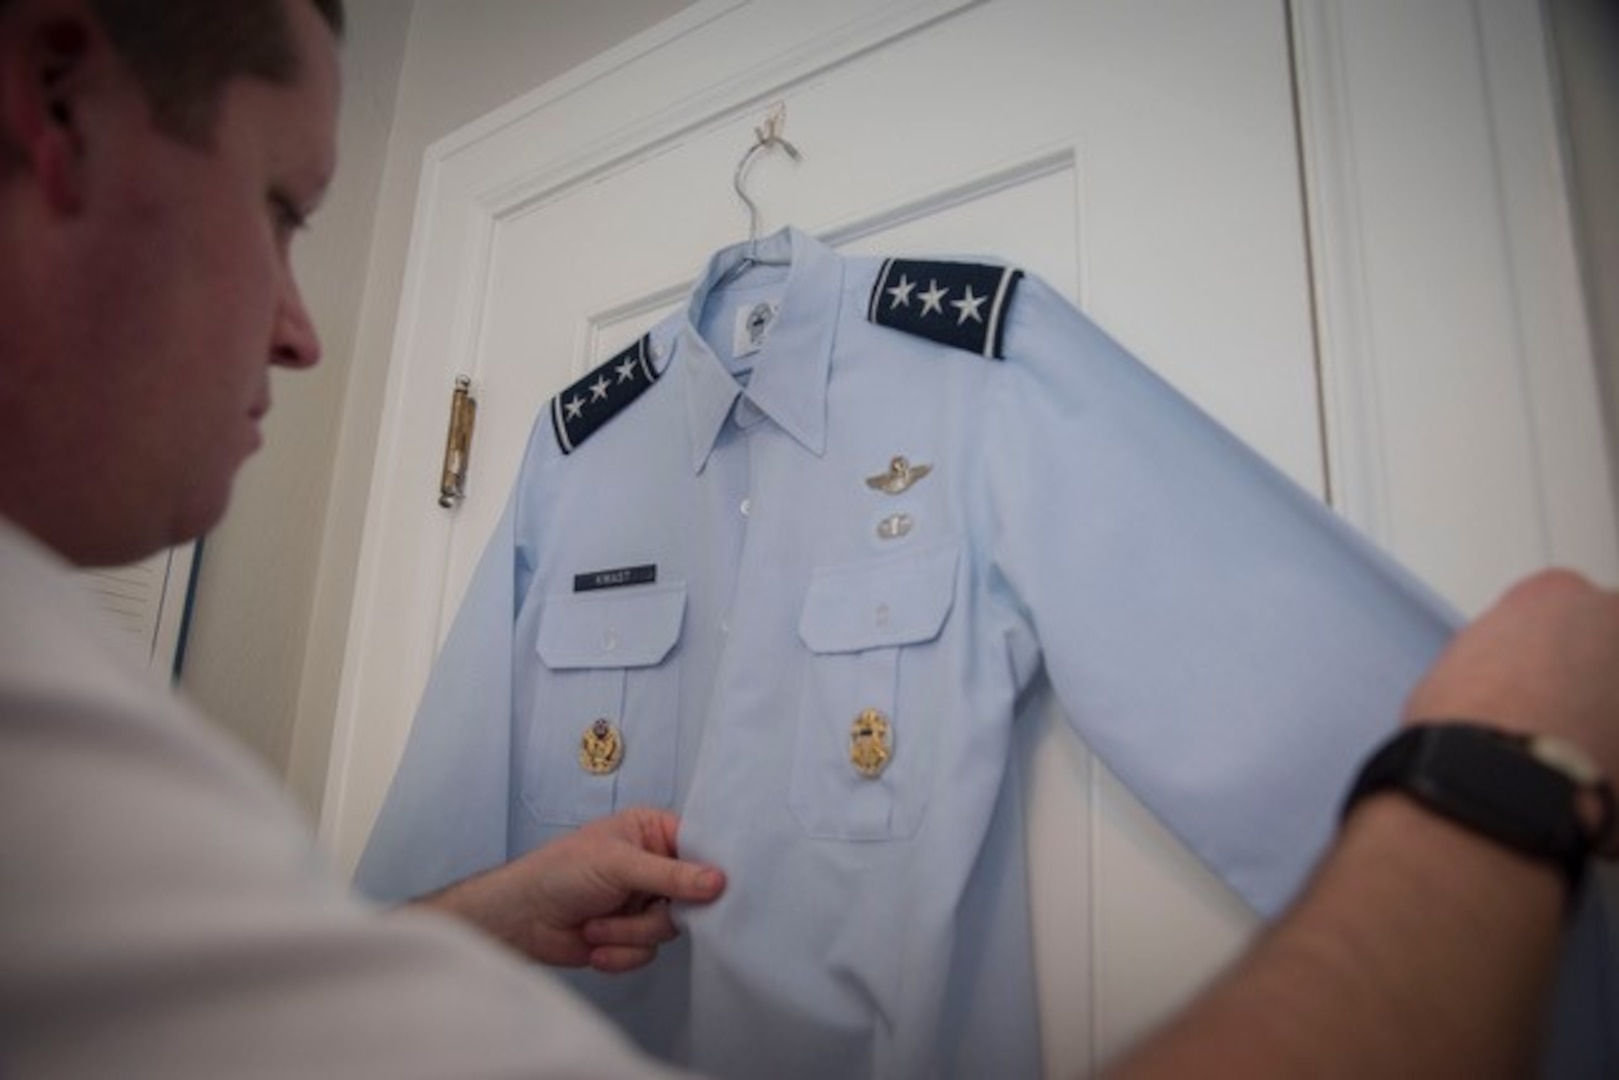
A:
<point x="1420" y="949"/>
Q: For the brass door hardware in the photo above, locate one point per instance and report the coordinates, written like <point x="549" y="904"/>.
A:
<point x="458" y="444"/>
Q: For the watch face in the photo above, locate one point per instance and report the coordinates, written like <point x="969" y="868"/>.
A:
<point x="1593" y="796"/>
<point x="1566" y="757"/>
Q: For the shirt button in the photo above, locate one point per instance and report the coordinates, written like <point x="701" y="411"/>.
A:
<point x="882" y="614"/>
<point x="609" y="641"/>
<point x="656" y="351"/>
<point x="746" y="506"/>
<point x="725" y="627"/>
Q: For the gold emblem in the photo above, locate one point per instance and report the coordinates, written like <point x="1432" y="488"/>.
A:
<point x="900" y="476"/>
<point x="602" y="749"/>
<point x="869" y="749"/>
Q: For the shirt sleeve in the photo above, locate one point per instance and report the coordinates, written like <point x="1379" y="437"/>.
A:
<point x="1227" y="645"/>
<point x="1224" y="642"/>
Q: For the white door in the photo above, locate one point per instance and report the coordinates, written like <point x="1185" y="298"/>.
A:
<point x="1140" y="156"/>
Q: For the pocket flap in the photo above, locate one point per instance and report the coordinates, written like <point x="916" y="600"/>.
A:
<point x="611" y="629"/>
<point x="879" y="603"/>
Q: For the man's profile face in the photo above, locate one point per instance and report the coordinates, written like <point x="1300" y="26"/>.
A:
<point x="198" y="295"/>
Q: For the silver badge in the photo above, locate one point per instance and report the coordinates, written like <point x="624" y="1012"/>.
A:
<point x="895" y="526"/>
<point x="900" y="476"/>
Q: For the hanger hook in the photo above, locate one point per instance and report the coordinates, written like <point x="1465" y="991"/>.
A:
<point x="765" y="136"/>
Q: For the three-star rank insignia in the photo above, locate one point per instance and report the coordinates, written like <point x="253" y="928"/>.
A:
<point x="583" y="408"/>
<point x="960" y="304"/>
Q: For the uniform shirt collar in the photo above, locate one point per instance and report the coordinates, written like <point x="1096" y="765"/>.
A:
<point x="789" y="377"/>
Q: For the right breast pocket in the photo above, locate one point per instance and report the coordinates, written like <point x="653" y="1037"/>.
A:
<point x="862" y="760"/>
<point x="604" y="718"/>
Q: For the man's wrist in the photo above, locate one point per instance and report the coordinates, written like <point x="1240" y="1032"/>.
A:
<point x="1537" y="795"/>
<point x="1431" y="855"/>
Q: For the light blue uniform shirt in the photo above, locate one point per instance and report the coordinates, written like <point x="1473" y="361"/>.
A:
<point x="1226" y="645"/>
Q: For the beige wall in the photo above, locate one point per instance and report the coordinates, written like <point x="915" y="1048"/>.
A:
<point x="255" y="591"/>
<point x="1585" y="37"/>
<point x="276" y="581"/>
<point x="275" y="586"/>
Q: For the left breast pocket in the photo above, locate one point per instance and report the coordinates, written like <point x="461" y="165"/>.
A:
<point x="863" y="751"/>
<point x="604" y="720"/>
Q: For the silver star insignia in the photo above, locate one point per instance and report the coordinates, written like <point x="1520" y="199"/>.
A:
<point x="626" y="371"/>
<point x="902" y="293"/>
<point x="932" y="300"/>
<point x="574" y="409"/>
<point x="598" y="389"/>
<point x="968" y="305"/>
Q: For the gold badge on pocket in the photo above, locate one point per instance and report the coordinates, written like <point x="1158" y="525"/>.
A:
<point x="602" y="748"/>
<point x="870" y="744"/>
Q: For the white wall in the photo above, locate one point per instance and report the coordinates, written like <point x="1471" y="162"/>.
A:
<point x="1585" y="39"/>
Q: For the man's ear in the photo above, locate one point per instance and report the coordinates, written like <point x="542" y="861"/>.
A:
<point x="44" y="57"/>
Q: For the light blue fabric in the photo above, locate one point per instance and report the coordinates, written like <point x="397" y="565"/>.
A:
<point x="1226" y="645"/>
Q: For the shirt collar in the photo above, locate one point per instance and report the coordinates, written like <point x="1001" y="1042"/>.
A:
<point x="789" y="377"/>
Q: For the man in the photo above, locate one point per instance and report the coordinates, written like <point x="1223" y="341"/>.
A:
<point x="162" y="913"/>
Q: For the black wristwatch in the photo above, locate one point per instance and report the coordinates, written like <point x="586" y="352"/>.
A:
<point x="1537" y="794"/>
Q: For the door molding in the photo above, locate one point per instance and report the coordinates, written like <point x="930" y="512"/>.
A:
<point x="1458" y="371"/>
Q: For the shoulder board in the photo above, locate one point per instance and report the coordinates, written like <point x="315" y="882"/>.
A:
<point x="583" y="408"/>
<point x="959" y="304"/>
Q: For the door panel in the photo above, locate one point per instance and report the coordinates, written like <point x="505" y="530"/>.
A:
<point x="1142" y="157"/>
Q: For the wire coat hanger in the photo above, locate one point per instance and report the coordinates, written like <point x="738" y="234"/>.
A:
<point x="766" y="135"/>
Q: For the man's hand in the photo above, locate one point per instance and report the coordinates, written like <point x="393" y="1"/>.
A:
<point x="1421" y="948"/>
<point x="1544" y="660"/>
<point x="595" y="897"/>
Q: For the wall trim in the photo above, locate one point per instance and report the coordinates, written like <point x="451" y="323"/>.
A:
<point x="1469" y="317"/>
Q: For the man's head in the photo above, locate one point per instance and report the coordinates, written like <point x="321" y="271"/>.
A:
<point x="158" y="157"/>
<point x="184" y="52"/>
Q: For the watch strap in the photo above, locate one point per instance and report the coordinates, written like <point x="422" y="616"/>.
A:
<point x="1492" y="783"/>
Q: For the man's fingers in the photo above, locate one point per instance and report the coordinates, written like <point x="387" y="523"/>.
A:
<point x="652" y="864"/>
<point x="643" y="872"/>
<point x="695" y="883"/>
<point x="616" y="959"/>
<point x="651" y="927"/>
<point x="626" y="942"/>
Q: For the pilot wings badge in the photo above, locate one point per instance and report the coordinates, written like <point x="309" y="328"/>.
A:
<point x="900" y="476"/>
